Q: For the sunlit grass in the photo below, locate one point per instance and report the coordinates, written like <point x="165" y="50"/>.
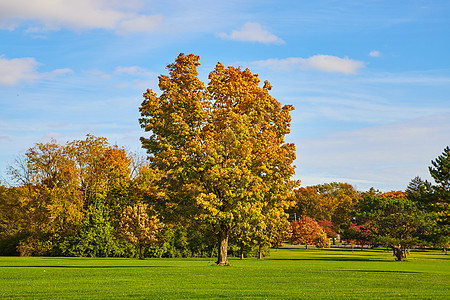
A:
<point x="291" y="272"/>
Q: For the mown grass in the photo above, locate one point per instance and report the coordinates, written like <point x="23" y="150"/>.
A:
<point x="289" y="273"/>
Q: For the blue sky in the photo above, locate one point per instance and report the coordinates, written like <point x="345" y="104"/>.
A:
<point x="369" y="80"/>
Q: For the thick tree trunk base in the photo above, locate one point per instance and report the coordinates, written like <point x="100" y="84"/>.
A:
<point x="398" y="253"/>
<point x="222" y="259"/>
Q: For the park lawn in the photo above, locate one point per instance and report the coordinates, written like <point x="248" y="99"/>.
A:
<point x="289" y="273"/>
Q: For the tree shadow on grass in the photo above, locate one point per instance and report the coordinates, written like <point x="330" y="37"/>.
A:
<point x="334" y="258"/>
<point x="86" y="267"/>
<point x="337" y="254"/>
<point x="382" y="271"/>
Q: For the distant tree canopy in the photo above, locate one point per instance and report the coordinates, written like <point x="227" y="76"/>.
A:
<point x="391" y="221"/>
<point x="221" y="146"/>
<point x="328" y="202"/>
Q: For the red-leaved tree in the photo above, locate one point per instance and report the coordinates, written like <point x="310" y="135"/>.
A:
<point x="306" y="231"/>
<point x="328" y="227"/>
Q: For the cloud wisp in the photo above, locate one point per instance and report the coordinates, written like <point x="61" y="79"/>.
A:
<point x="323" y="63"/>
<point x="252" y="32"/>
<point x="374" y="53"/>
<point x="18" y="70"/>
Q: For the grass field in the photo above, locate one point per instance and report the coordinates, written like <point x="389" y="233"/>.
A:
<point x="289" y="273"/>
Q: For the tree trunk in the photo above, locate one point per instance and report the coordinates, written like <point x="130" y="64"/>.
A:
<point x="398" y="253"/>
<point x="222" y="258"/>
<point x="140" y="252"/>
<point x="334" y="241"/>
<point x="260" y="251"/>
<point x="242" y="250"/>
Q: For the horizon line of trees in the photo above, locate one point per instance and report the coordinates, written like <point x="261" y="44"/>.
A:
<point x="87" y="198"/>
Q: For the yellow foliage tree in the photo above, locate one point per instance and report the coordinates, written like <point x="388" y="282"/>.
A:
<point x="219" y="145"/>
<point x="140" y="228"/>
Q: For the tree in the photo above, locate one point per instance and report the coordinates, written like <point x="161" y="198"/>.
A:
<point x="322" y="241"/>
<point x="48" y="197"/>
<point x="280" y="231"/>
<point x="140" y="228"/>
<point x="358" y="234"/>
<point x="306" y="231"/>
<point x="219" y="145"/>
<point x="394" y="222"/>
<point x="68" y="191"/>
<point x="434" y="200"/>
<point x="440" y="170"/>
<point x="331" y="201"/>
<point x="275" y="228"/>
<point x="327" y="227"/>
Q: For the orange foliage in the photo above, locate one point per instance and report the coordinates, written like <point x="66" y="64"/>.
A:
<point x="394" y="195"/>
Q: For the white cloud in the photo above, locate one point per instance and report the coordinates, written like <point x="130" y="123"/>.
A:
<point x="324" y="63"/>
<point x="74" y="15"/>
<point x="13" y="71"/>
<point x="374" y="53"/>
<point x="17" y="70"/>
<point x="140" y="24"/>
<point x="253" y="32"/>
<point x="57" y="72"/>
<point x="329" y="63"/>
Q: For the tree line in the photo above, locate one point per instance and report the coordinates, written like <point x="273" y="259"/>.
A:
<point x="217" y="181"/>
<point x="88" y="198"/>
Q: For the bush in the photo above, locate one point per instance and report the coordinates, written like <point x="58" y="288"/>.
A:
<point x="322" y="241"/>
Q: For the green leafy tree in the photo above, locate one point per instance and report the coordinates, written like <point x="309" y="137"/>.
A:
<point x="96" y="236"/>
<point x="358" y="234"/>
<point x="392" y="221"/>
<point x="440" y="170"/>
<point x="219" y="145"/>
<point x="435" y="200"/>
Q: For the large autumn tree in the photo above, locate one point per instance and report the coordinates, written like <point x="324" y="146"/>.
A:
<point x="219" y="145"/>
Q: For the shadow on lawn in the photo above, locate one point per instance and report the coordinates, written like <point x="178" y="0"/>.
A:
<point x="86" y="267"/>
<point x="334" y="258"/>
<point x="382" y="271"/>
<point x="337" y="254"/>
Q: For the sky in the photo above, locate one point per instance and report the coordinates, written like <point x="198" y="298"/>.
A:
<point x="369" y="80"/>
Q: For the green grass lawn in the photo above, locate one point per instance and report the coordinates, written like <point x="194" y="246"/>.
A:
<point x="289" y="273"/>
